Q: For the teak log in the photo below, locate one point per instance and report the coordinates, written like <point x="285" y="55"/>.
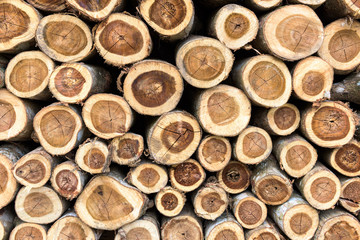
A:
<point x="311" y="3"/>
<point x="262" y="6"/>
<point x="49" y="5"/>
<point x="126" y="149"/>
<point x="335" y="9"/>
<point x="22" y="230"/>
<point x="170" y="201"/>
<point x="234" y="178"/>
<point x="350" y="194"/>
<point x="7" y="217"/>
<point x="347" y="90"/>
<point x="267" y="230"/>
<point x="224" y="227"/>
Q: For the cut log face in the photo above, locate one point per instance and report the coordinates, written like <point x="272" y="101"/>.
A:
<point x="127" y="149"/>
<point x="170" y="201"/>
<point x="266" y="231"/>
<point x="311" y="3"/>
<point x="234" y="26"/>
<point x="7" y="217"/>
<point x="172" y="19"/>
<point x="224" y="227"/>
<point x="204" y="62"/>
<point x="341" y="46"/>
<point x="123" y="39"/>
<point x="330" y="124"/>
<point x="27" y="75"/>
<point x="263" y="6"/>
<point x="30" y="231"/>
<point x="350" y="194"/>
<point x="64" y="38"/>
<point x="49" y="5"/>
<point x="187" y="176"/>
<point x="266" y="80"/>
<point x="146" y="228"/>
<point x="234" y="178"/>
<point x="253" y="145"/>
<point x="174" y="137"/>
<point x="287" y="21"/>
<point x="312" y="79"/>
<point x="153" y="87"/>
<point x="107" y="115"/>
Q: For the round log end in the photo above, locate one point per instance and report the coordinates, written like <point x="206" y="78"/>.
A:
<point x="21" y="231"/>
<point x="127" y="149"/>
<point x="273" y="189"/>
<point x="234" y="178"/>
<point x="170" y="201"/>
<point x="249" y="211"/>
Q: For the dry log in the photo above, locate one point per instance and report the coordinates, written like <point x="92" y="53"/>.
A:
<point x="170" y="201"/>
<point x="7" y="216"/>
<point x="350" y="194"/>
<point x="347" y="90"/>
<point x="3" y="64"/>
<point x="204" y="62"/>
<point x="262" y="6"/>
<point x="234" y="178"/>
<point x="127" y="149"/>
<point x="335" y="9"/>
<point x="49" y="5"/>
<point x="224" y="227"/>
<point x="265" y="231"/>
<point x="30" y="231"/>
<point x="311" y="3"/>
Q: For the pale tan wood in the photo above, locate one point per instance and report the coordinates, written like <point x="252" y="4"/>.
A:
<point x="49" y="5"/>
<point x="126" y="149"/>
<point x="262" y="6"/>
<point x="170" y="201"/>
<point x="25" y="230"/>
<point x="350" y="194"/>
<point x="314" y="4"/>
<point x="224" y="227"/>
<point x="7" y="216"/>
<point x="234" y="178"/>
<point x="267" y="230"/>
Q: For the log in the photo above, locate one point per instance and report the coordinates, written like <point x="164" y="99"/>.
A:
<point x="174" y="137"/>
<point x="224" y="227"/>
<point x="214" y="153"/>
<point x="223" y="110"/>
<point x="107" y="115"/>
<point x="296" y="218"/>
<point x="320" y="187"/>
<point x="204" y="62"/>
<point x="335" y="9"/>
<point x="249" y="211"/>
<point x="127" y="149"/>
<point x="265" y="79"/>
<point x="59" y="128"/>
<point x="75" y="82"/>
<point x="170" y="201"/>
<point x="312" y="79"/>
<point x="153" y="87"/>
<point x="49" y="5"/>
<point x="314" y="4"/>
<point x="267" y="230"/>
<point x="171" y="19"/>
<point x="347" y="90"/>
<point x="64" y="38"/>
<point x="290" y="33"/>
<point x="271" y="184"/>
<point x="262" y="6"/>
<point x="108" y="202"/>
<point x="328" y="124"/>
<point x="3" y="63"/>
<point x="7" y="217"/>
<point x="187" y="176"/>
<point x="30" y="231"/>
<point x="295" y="155"/>
<point x="341" y="45"/>
<point x="39" y="205"/>
<point x="234" y="178"/>
<point x="23" y="20"/>
<point x="122" y="39"/>
<point x="252" y="146"/>
<point x="27" y="75"/>
<point x="350" y="194"/>
<point x="234" y="26"/>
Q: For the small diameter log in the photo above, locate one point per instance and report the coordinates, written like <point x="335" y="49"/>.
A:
<point x="224" y="227"/>
<point x="266" y="231"/>
<point x="148" y="177"/>
<point x="75" y="82"/>
<point x="127" y="149"/>
<point x="262" y="6"/>
<point x="335" y="9"/>
<point x="295" y="155"/>
<point x="312" y="79"/>
<point x="170" y="201"/>
<point x="347" y="90"/>
<point x="59" y="128"/>
<point x="174" y="137"/>
<point x="122" y="39"/>
<point x="108" y="202"/>
<point x="27" y="75"/>
<point x="320" y="187"/>
<point x="266" y="80"/>
<point x="39" y="205"/>
<point x="234" y="178"/>
<point x="7" y="216"/>
<point x="253" y="145"/>
<point x="341" y="46"/>
<point x="64" y="38"/>
<point x="153" y="87"/>
<point x="277" y="29"/>
<point x="49" y="5"/>
<point x="214" y="153"/>
<point x="249" y="211"/>
<point x="172" y="19"/>
<point x="223" y="110"/>
<point x="68" y="180"/>
<point x="92" y="157"/>
<point x="270" y="184"/>
<point x="187" y="176"/>
<point x="328" y="124"/>
<point x="296" y="218"/>
<point x="234" y="26"/>
<point x="30" y="231"/>
<point x="350" y="194"/>
<point x="107" y="115"/>
<point x="204" y="62"/>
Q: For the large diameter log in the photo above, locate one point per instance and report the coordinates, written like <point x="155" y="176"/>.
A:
<point x="328" y="124"/>
<point x="75" y="82"/>
<point x="18" y="27"/>
<point x="49" y="5"/>
<point x="174" y="137"/>
<point x="223" y="110"/>
<point x="172" y="19"/>
<point x="122" y="39"/>
<point x="153" y="87"/>
<point x="7" y="216"/>
<point x="291" y="32"/>
<point x="126" y="149"/>
<point x="266" y="80"/>
<point x="350" y="194"/>
<point x="107" y="115"/>
<point x="27" y="75"/>
<point x="335" y="9"/>
<point x="170" y="201"/>
<point x="204" y="62"/>
<point x="64" y="38"/>
<point x="296" y="218"/>
<point x="224" y="227"/>
<point x="108" y="202"/>
<point x="267" y="230"/>
<point x="262" y="6"/>
<point x="347" y="90"/>
<point x="30" y="231"/>
<point x="234" y="178"/>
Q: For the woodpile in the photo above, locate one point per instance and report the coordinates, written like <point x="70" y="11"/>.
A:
<point x="179" y="119"/>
